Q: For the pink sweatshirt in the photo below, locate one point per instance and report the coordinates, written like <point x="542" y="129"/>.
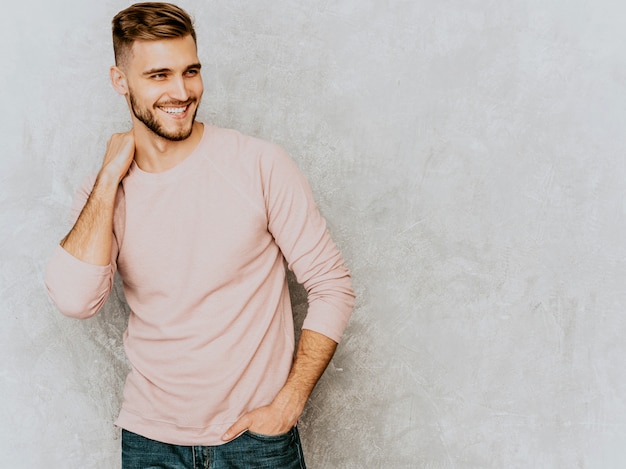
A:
<point x="200" y="251"/>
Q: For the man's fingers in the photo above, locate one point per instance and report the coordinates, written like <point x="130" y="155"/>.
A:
<point x="236" y="428"/>
<point x="119" y="154"/>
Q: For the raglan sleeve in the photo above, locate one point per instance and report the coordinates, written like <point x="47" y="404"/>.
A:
<point x="302" y="235"/>
<point x="79" y="289"/>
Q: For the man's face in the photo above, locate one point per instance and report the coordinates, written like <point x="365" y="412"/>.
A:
<point x="165" y="85"/>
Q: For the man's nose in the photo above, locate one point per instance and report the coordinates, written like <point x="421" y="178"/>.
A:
<point x="178" y="89"/>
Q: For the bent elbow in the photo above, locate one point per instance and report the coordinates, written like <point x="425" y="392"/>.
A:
<point x="74" y="305"/>
<point x="76" y="288"/>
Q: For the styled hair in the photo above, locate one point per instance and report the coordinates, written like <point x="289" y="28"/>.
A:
<point x="148" y="21"/>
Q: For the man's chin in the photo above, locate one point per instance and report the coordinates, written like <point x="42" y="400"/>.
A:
<point x="173" y="135"/>
<point x="176" y="137"/>
<point x="177" y="134"/>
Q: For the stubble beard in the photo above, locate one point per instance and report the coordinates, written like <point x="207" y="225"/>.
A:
<point x="149" y="120"/>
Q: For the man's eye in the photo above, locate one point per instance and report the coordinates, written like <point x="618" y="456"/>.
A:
<point x="158" y="76"/>
<point x="192" y="73"/>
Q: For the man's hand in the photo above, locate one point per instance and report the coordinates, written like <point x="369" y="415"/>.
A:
<point x="267" y="420"/>
<point x="314" y="353"/>
<point x="119" y="156"/>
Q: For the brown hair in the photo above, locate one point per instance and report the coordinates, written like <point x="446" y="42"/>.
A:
<point x="149" y="21"/>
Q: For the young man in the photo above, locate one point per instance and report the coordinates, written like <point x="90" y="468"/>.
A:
<point x="199" y="222"/>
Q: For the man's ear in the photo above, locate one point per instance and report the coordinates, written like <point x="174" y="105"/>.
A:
<point x="118" y="80"/>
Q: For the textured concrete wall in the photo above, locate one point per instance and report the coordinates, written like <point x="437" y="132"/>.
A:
<point x="470" y="157"/>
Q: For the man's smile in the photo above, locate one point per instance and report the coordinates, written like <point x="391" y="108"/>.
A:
<point x="175" y="111"/>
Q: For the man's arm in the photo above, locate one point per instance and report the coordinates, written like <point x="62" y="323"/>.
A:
<point x="300" y="232"/>
<point x="313" y="356"/>
<point x="92" y="235"/>
<point x="79" y="275"/>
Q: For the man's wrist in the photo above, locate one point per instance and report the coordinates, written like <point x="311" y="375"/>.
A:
<point x="107" y="180"/>
<point x="290" y="403"/>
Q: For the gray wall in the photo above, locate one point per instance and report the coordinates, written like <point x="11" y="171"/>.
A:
<point x="469" y="156"/>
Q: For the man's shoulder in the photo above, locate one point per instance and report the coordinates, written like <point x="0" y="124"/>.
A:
<point x="244" y="145"/>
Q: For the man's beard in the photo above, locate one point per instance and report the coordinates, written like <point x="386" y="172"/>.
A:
<point x="150" y="121"/>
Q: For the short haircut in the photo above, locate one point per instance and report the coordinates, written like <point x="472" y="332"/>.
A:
<point x="149" y="21"/>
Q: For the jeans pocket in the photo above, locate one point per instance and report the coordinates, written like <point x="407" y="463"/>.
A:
<point x="270" y="451"/>
<point x="259" y="436"/>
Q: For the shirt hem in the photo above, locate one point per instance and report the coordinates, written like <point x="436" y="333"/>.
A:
<point x="172" y="433"/>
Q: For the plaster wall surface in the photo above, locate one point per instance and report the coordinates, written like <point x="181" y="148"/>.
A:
<point x="470" y="158"/>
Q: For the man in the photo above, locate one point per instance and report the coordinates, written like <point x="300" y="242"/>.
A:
<point x="199" y="222"/>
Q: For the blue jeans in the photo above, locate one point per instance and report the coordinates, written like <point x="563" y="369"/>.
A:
<point x="249" y="450"/>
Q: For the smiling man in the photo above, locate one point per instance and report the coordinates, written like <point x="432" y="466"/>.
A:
<point x="199" y="222"/>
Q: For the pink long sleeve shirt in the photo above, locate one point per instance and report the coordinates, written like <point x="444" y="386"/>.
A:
<point x="201" y="250"/>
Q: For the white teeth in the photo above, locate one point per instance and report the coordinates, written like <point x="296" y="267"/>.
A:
<point x="174" y="110"/>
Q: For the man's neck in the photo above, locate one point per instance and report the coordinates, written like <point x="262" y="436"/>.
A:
<point x="155" y="154"/>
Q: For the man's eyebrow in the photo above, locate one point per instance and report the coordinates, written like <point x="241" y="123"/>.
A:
<point x="153" y="71"/>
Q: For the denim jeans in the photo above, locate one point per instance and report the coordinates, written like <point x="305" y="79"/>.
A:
<point x="247" y="451"/>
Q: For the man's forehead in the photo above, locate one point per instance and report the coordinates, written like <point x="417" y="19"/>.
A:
<point x="180" y="51"/>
